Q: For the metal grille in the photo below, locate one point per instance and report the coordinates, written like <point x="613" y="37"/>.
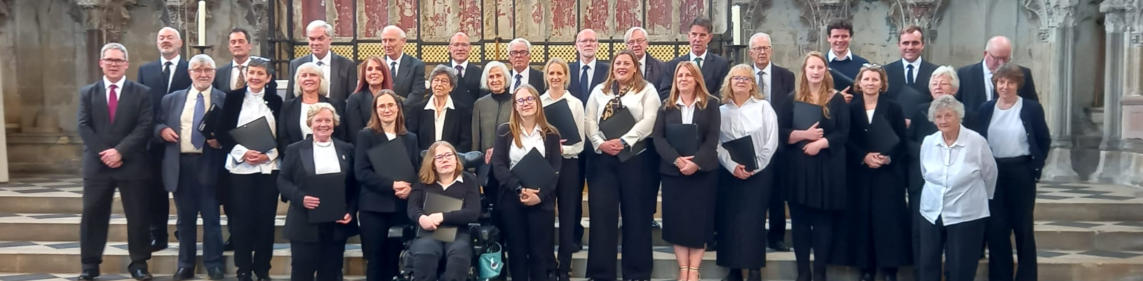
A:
<point x="567" y="53"/>
<point x="434" y="54"/>
<point x="666" y="52"/>
<point x="365" y="50"/>
<point x="496" y="51"/>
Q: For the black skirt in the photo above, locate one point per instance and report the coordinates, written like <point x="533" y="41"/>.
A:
<point x="741" y="229"/>
<point x="876" y="221"/>
<point x="688" y="208"/>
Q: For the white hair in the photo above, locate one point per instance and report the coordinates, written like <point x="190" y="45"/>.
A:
<point x="488" y="69"/>
<point x="113" y="46"/>
<point x="759" y="35"/>
<point x="946" y="102"/>
<point x="317" y="108"/>
<point x="400" y="32"/>
<point x="325" y="26"/>
<point x="949" y="72"/>
<point x="311" y="67"/>
<point x="627" y="35"/>
<point x="201" y="59"/>
<point x="521" y="40"/>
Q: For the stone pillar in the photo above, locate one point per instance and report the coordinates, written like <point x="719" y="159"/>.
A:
<point x="5" y="12"/>
<point x="1057" y="27"/>
<point x="1121" y="20"/>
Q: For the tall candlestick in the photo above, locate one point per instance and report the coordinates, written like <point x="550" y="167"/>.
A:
<point x="736" y="24"/>
<point x="201" y="22"/>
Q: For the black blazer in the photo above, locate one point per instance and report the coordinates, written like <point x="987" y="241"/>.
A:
<point x="297" y="166"/>
<point x="508" y="181"/>
<point x="656" y="69"/>
<point x="456" y="125"/>
<point x="289" y="118"/>
<point x="908" y="100"/>
<point x="410" y="78"/>
<point x="714" y="69"/>
<point x="535" y="78"/>
<point x="129" y="133"/>
<point x="782" y="85"/>
<point x="229" y="118"/>
<point x="1035" y="127"/>
<point x="377" y="190"/>
<point x="343" y="78"/>
<point x="598" y="75"/>
<point x="222" y="76"/>
<point x="466" y="190"/>
<point x="470" y="81"/>
<point x="358" y="111"/>
<point x="859" y="134"/>
<point x="971" y="91"/>
<point x="708" y="120"/>
<point x="833" y="159"/>
<point x="151" y="75"/>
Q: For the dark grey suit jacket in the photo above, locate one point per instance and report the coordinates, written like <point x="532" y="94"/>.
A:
<point x="656" y="69"/>
<point x="128" y="134"/>
<point x="598" y="75"/>
<point x="908" y="100"/>
<point x="342" y="81"/>
<point x="410" y="78"/>
<point x="971" y="91"/>
<point x="535" y="78"/>
<point x="169" y="117"/>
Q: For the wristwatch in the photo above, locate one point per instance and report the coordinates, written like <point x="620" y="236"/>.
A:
<point x="625" y="145"/>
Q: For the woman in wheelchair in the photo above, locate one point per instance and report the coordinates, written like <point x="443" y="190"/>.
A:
<point x="527" y="209"/>
<point x="443" y="174"/>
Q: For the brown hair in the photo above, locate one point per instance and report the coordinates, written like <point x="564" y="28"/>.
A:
<point x="428" y="173"/>
<point x="802" y="92"/>
<point x="911" y="29"/>
<point x="386" y="74"/>
<point x="727" y="92"/>
<point x="880" y="72"/>
<point x="637" y="82"/>
<point x="700" y="86"/>
<point x="375" y="122"/>
<point x="515" y="120"/>
<point x="1010" y="71"/>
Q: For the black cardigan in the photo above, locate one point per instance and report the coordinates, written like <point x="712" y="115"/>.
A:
<point x="289" y="128"/>
<point x="466" y="190"/>
<point x="377" y="190"/>
<point x="1035" y="126"/>
<point x="508" y="181"/>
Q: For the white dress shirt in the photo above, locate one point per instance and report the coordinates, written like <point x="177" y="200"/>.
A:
<point x="643" y="105"/>
<point x="253" y="107"/>
<point x="576" y="107"/>
<point x="590" y="71"/>
<point x="959" y="178"/>
<point x="831" y="57"/>
<point x="987" y="80"/>
<point x="767" y="73"/>
<point x="186" y="120"/>
<point x="643" y="65"/>
<point x="694" y="56"/>
<point x="756" y="118"/>
<point x="1006" y="134"/>
<point x="529" y="139"/>
<point x="916" y="68"/>
<point x="325" y="158"/>
<point x="389" y="63"/>
<point x="235" y="73"/>
<point x="445" y="186"/>
<point x="174" y="65"/>
<point x="326" y="63"/>
<point x="118" y="88"/>
<point x="462" y="65"/>
<point x="687" y="112"/>
<point x="439" y="117"/>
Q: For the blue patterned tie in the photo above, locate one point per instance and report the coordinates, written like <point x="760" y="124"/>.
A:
<point x="516" y="85"/>
<point x="196" y="136"/>
<point x="584" y="85"/>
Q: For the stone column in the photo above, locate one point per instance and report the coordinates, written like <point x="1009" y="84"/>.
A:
<point x="5" y="12"/>
<point x="1119" y="16"/>
<point x="1057" y="27"/>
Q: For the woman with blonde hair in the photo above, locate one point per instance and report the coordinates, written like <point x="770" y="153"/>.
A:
<point x="569" y="186"/>
<point x="443" y="174"/>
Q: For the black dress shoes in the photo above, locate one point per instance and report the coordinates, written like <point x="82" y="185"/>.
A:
<point x="183" y="273"/>
<point x="88" y="274"/>
<point x="245" y="276"/>
<point x="140" y="274"/>
<point x="734" y="274"/>
<point x="779" y="246"/>
<point x="158" y="244"/>
<point x="215" y="273"/>
<point x="753" y="275"/>
<point x="229" y="246"/>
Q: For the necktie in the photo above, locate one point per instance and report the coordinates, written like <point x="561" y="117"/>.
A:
<point x="459" y="71"/>
<point x="241" y="78"/>
<point x="909" y="74"/>
<point x="167" y="75"/>
<point x="762" y="84"/>
<point x="199" y="108"/>
<point x="393" y="68"/>
<point x="320" y="63"/>
<point x="584" y="85"/>
<point x="517" y="83"/>
<point x="698" y="61"/>
<point x="112" y="103"/>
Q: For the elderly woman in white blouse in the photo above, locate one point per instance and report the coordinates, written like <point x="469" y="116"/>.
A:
<point x="960" y="177"/>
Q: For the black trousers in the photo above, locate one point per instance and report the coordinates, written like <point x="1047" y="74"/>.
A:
<point x="776" y="213"/>
<point x="813" y="230"/>
<point x="569" y="200"/>
<point x="252" y="222"/>
<point x="158" y="206"/>
<point x="381" y="253"/>
<point x="613" y="188"/>
<point x="960" y="244"/>
<point x="529" y="231"/>
<point x="97" y="198"/>
<point x="427" y="253"/>
<point x="325" y="258"/>
<point x="654" y="178"/>
<point x="1011" y="210"/>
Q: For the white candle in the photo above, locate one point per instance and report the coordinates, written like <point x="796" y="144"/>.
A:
<point x="736" y="24"/>
<point x="201" y="22"/>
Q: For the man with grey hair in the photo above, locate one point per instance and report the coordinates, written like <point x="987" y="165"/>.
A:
<point x="587" y="71"/>
<point x="976" y="80"/>
<point x="340" y="71"/>
<point x="163" y="76"/>
<point x="408" y="72"/>
<point x="114" y="156"/>
<point x="776" y="84"/>
<point x="190" y="157"/>
<point x="519" y="56"/>
<point x="652" y="69"/>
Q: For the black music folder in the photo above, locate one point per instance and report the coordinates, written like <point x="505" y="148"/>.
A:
<point x="844" y="78"/>
<point x="620" y="122"/>
<point x="881" y="137"/>
<point x="392" y="161"/>
<point x="440" y="203"/>
<point x="330" y="189"/>
<point x="208" y="123"/>
<point x="683" y="137"/>
<point x="534" y="171"/>
<point x="742" y="152"/>
<point x="560" y="116"/>
<point x="806" y="114"/>
<point x="255" y="135"/>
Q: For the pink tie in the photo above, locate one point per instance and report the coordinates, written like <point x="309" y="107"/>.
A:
<point x="112" y="103"/>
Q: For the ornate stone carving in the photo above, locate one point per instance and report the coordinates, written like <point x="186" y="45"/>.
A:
<point x="819" y="13"/>
<point x="1052" y="14"/>
<point x="109" y="16"/>
<point x="5" y="11"/>
<point x="1121" y="15"/>
<point x="922" y="13"/>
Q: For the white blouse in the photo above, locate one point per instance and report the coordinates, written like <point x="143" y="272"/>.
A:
<point x="439" y="117"/>
<point x="576" y="106"/>
<point x="643" y="105"/>
<point x="530" y="139"/>
<point x="253" y="107"/>
<point x="325" y="158"/>
<point x="959" y="178"/>
<point x="755" y="119"/>
<point x="1006" y="134"/>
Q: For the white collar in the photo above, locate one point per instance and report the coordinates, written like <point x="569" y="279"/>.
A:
<point x="693" y="56"/>
<point x="984" y="65"/>
<point x="463" y="65"/>
<point x="765" y="69"/>
<point x="255" y="94"/>
<point x="119" y="84"/>
<point x="749" y="100"/>
<point x="831" y="57"/>
<point x="590" y="65"/>
<point x="957" y="143"/>
<point x="679" y="101"/>
<point x="459" y="178"/>
<point x="244" y="64"/>
<point x="324" y="60"/>
<point x="431" y="105"/>
<point x="398" y="60"/>
<point x="523" y="74"/>
<point x="174" y="61"/>
<point x="916" y="64"/>
<point x="535" y="130"/>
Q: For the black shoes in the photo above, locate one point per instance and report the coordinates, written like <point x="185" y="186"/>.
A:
<point x="140" y="274"/>
<point x="753" y="275"/>
<point x="779" y="246"/>
<point x="158" y="243"/>
<point x="215" y="273"/>
<point x="229" y="246"/>
<point x="734" y="274"/>
<point x="183" y="273"/>
<point x="88" y="274"/>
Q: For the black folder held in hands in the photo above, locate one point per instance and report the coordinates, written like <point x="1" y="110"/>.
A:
<point x="619" y="124"/>
<point x="255" y="135"/>
<point x="207" y="124"/>
<point x="534" y="171"/>
<point x="440" y="203"/>
<point x="559" y="115"/>
<point x="742" y="152"/>
<point x="392" y="161"/>
<point x="330" y="189"/>
<point x="881" y="137"/>
<point x="806" y="114"/>
<point x="683" y="137"/>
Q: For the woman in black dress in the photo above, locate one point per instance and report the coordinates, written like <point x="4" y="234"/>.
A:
<point x="384" y="195"/>
<point x="743" y="194"/>
<point x="816" y="180"/>
<point x="876" y="222"/>
<point x="372" y="77"/>
<point x="689" y="180"/>
<point x="443" y="174"/>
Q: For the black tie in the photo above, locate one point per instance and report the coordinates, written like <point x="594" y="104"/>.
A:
<point x="584" y="85"/>
<point x="393" y="68"/>
<point x="909" y="74"/>
<point x="459" y="71"/>
<point x="167" y="75"/>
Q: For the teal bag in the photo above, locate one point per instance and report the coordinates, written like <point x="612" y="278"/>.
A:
<point x="491" y="262"/>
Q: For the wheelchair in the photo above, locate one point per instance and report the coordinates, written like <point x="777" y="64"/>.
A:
<point x="485" y="236"/>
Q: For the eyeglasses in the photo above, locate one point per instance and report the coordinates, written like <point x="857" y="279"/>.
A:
<point x="518" y="53"/>
<point x="760" y="49"/>
<point x="202" y="70"/>
<point x="441" y="80"/>
<point x="741" y="78"/>
<point x="587" y="41"/>
<point x="636" y="41"/>
<point x="443" y="156"/>
<point x="115" y="61"/>
<point x="525" y="100"/>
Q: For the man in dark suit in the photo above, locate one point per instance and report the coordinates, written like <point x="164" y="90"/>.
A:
<point x="168" y="74"/>
<point x="587" y="71"/>
<point x="469" y="84"/>
<point x="777" y="84"/>
<point x="842" y="61"/>
<point x="519" y="55"/>
<point x="909" y="76"/>
<point x="714" y="67"/>
<point x="114" y="121"/>
<point x="976" y="80"/>
<point x="231" y="76"/>
<point x="652" y="69"/>
<point x="340" y="71"/>
<point x="190" y="166"/>
<point x="408" y="72"/>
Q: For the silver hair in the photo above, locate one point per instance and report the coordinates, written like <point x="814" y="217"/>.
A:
<point x="946" y="102"/>
<point x="317" y="108"/>
<point x="113" y="46"/>
<point x="201" y="59"/>
<point x="487" y="69"/>
<point x="447" y="71"/>
<point x="400" y="32"/>
<point x="323" y="87"/>
<point x="320" y="24"/>
<point x="176" y="31"/>
<point x="757" y="35"/>
<point x="949" y="72"/>
<point x="527" y="44"/>
<point x="627" y="35"/>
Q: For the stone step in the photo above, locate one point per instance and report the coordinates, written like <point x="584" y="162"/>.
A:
<point x="1062" y="235"/>
<point x="33" y="257"/>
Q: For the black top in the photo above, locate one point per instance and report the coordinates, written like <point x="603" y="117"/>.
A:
<point x="358" y="111"/>
<point x="860" y="133"/>
<point x="229" y="118"/>
<point x="289" y="126"/>
<point x="466" y="190"/>
<point x="376" y="189"/>
<point x="708" y="120"/>
<point x="1035" y="127"/>
<point x="456" y="125"/>
<point x="501" y="164"/>
<point x="817" y="181"/>
<point x="919" y="128"/>
<point x="297" y="166"/>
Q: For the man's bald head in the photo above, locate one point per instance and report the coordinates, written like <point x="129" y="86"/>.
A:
<point x="997" y="52"/>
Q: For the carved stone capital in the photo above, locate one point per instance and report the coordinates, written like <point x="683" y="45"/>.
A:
<point x="819" y="13"/>
<point x="1120" y="15"/>
<point x="1052" y="14"/>
<point x="922" y="13"/>
<point x="109" y="16"/>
